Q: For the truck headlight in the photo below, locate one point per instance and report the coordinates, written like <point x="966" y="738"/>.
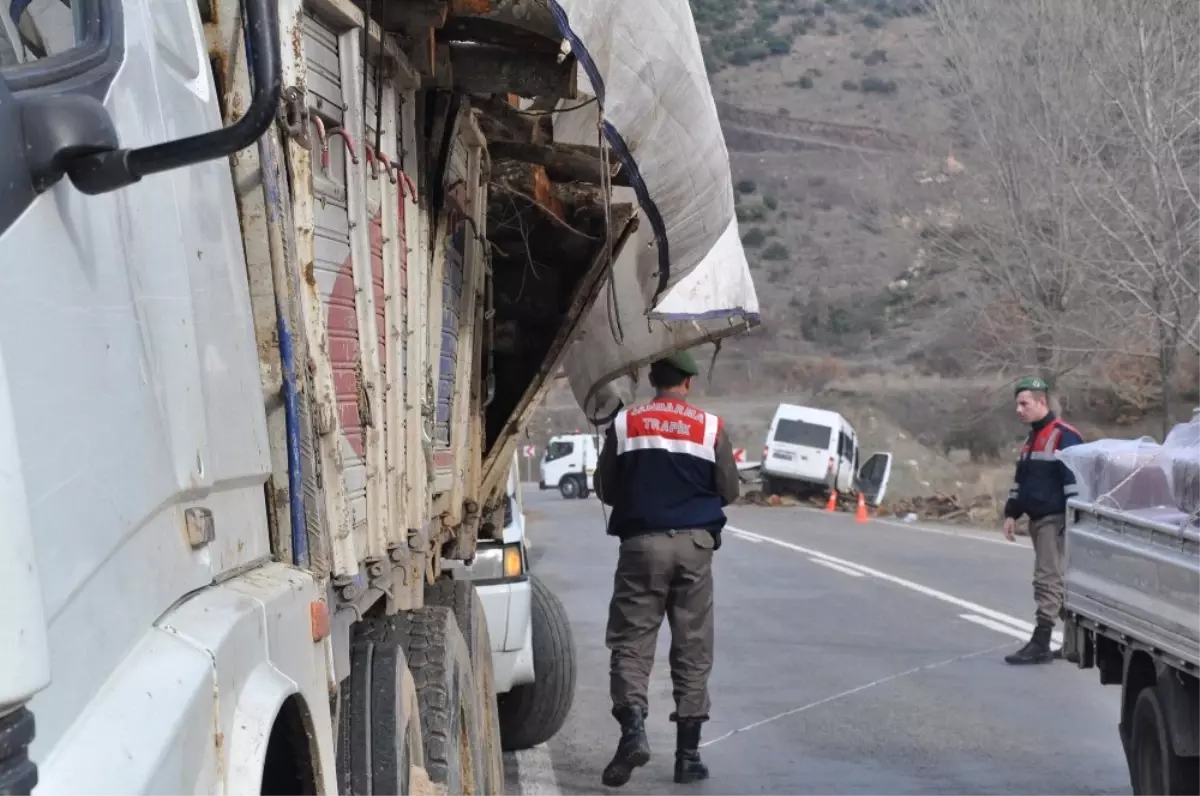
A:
<point x="497" y="562"/>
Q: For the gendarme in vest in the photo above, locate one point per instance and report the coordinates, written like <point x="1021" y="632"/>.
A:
<point x="666" y="469"/>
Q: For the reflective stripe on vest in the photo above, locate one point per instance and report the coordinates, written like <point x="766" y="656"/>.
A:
<point x="671" y="426"/>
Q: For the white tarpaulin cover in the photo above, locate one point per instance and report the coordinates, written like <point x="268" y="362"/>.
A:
<point x="683" y="279"/>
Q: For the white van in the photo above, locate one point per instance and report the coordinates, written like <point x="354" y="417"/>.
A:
<point x="816" y="449"/>
<point x="569" y="464"/>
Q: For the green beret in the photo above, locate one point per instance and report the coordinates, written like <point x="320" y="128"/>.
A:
<point x="682" y="361"/>
<point x="1031" y="383"/>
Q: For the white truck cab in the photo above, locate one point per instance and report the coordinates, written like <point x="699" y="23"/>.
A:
<point x="569" y="464"/>
<point x="814" y="449"/>
<point x="529" y="630"/>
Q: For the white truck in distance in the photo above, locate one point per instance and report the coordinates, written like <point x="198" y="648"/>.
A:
<point x="569" y="465"/>
<point x="267" y="346"/>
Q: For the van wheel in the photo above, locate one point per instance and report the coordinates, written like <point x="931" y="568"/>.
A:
<point x="531" y="714"/>
<point x="379" y="728"/>
<point x="450" y="725"/>
<point x="569" y="487"/>
<point x="461" y="598"/>
<point x="1154" y="768"/>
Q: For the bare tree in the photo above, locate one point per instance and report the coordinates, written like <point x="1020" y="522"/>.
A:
<point x="1087" y="113"/>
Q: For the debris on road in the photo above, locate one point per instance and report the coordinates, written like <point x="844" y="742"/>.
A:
<point x="979" y="510"/>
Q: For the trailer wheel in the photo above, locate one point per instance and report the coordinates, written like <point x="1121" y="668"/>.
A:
<point x="441" y="670"/>
<point x="569" y="487"/>
<point x="1154" y="768"/>
<point x="461" y="598"/>
<point x="379" y="728"/>
<point x="531" y="714"/>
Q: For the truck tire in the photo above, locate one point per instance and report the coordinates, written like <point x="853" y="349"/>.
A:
<point x="461" y="598"/>
<point x="446" y="701"/>
<point x="569" y="487"/>
<point x="531" y="714"/>
<point x="379" y="729"/>
<point x="1154" y="768"/>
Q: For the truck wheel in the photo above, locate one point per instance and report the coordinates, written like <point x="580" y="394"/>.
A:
<point x="569" y="487"/>
<point x="379" y="729"/>
<point x="531" y="714"/>
<point x="446" y="700"/>
<point x="461" y="598"/>
<point x="1154" y="768"/>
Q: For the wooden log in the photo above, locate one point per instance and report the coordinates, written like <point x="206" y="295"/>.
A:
<point x="407" y="16"/>
<point x="502" y="121"/>
<point x="525" y="181"/>
<point x="563" y="162"/>
<point x="485" y="69"/>
<point x="487" y="31"/>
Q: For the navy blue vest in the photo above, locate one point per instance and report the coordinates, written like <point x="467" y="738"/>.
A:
<point x="666" y="469"/>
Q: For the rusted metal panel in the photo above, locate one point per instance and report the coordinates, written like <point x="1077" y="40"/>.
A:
<point x="368" y="380"/>
<point x="332" y="278"/>
<point x="414" y="478"/>
<point x="463" y="429"/>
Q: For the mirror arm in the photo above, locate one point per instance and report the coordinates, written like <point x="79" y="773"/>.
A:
<point x="108" y="171"/>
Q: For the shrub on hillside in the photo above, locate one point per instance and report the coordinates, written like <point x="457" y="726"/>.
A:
<point x="877" y="85"/>
<point x="850" y="85"/>
<point x="746" y="186"/>
<point x="776" y="251"/>
<point x="771" y="202"/>
<point x="754" y="237"/>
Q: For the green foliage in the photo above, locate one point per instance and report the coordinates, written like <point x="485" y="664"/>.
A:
<point x="754" y="237"/>
<point x="872" y="21"/>
<point x="754" y="212"/>
<point x="877" y="85"/>
<point x="875" y="57"/>
<point x="771" y="202"/>
<point x="746" y="186"/>
<point x="805" y="82"/>
<point x="850" y="85"/>
<point x="776" y="251"/>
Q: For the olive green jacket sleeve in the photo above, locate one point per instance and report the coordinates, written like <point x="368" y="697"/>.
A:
<point x="728" y="481"/>
<point x="606" y="468"/>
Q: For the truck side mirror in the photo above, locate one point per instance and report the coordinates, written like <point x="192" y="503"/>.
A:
<point x="83" y="142"/>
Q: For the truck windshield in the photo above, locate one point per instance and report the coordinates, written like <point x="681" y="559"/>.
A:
<point x="797" y="432"/>
<point x="557" y="450"/>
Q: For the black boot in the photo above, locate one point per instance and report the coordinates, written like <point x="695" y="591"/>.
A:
<point x="688" y="766"/>
<point x="1037" y="650"/>
<point x="633" y="750"/>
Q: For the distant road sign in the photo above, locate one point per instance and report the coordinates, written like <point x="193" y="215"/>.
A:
<point x="529" y="451"/>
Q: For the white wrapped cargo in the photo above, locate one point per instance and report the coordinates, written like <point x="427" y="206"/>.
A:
<point x="685" y="280"/>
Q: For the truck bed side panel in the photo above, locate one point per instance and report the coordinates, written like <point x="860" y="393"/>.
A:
<point x="1137" y="581"/>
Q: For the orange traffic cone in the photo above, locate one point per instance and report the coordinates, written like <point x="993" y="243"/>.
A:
<point x="831" y="504"/>
<point x="861" y="514"/>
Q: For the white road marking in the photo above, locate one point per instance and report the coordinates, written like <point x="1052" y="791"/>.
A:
<point x="999" y="627"/>
<point x="849" y="692"/>
<point x="908" y="526"/>
<point x="838" y="567"/>
<point x="958" y="602"/>
<point x="976" y="537"/>
<point x="535" y="772"/>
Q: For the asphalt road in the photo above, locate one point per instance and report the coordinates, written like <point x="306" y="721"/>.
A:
<point x="850" y="658"/>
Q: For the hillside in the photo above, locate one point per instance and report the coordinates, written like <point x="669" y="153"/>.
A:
<point x="874" y="224"/>
<point x="835" y="127"/>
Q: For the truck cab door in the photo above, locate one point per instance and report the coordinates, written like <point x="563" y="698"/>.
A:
<point x="873" y="477"/>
